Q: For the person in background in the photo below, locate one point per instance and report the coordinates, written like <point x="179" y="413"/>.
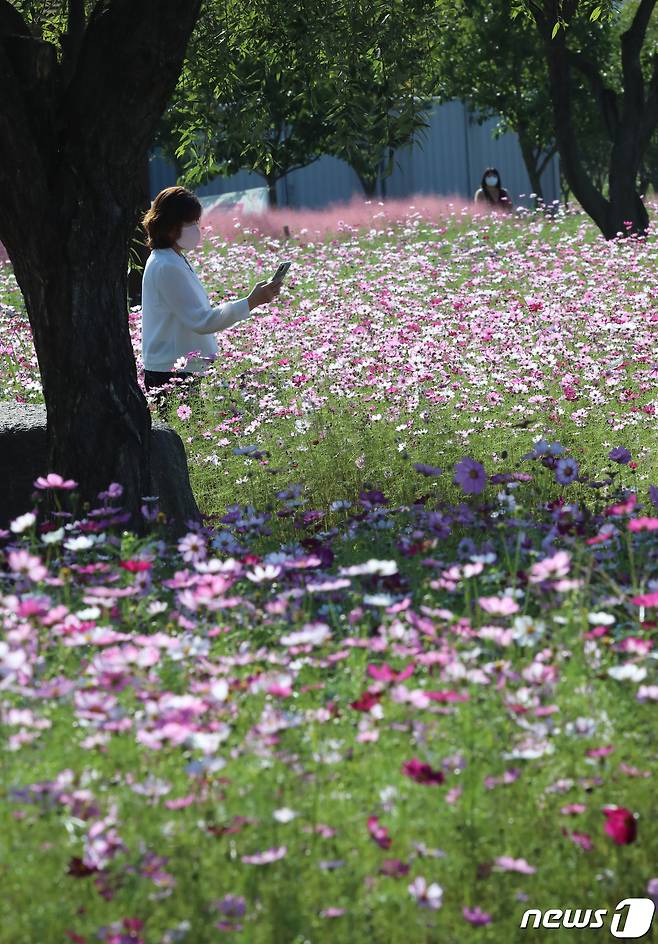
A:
<point x="492" y="192"/>
<point x="177" y="317"/>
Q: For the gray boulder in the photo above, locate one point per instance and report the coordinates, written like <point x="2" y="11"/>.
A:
<point x="23" y="452"/>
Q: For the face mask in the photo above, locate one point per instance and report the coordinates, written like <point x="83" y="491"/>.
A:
<point x="491" y="181"/>
<point x="190" y="236"/>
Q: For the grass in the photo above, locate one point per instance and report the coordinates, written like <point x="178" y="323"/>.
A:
<point x="137" y="672"/>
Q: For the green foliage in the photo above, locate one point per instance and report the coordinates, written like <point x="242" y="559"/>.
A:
<point x="268" y="87"/>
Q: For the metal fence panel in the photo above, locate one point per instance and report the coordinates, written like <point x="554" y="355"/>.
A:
<point x="447" y="158"/>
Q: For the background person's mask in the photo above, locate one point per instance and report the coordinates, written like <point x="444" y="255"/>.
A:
<point x="491" y="181"/>
<point x="190" y="236"/>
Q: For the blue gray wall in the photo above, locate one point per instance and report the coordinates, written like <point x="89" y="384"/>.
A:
<point x="448" y="158"/>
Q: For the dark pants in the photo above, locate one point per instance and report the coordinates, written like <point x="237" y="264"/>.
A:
<point x="156" y="378"/>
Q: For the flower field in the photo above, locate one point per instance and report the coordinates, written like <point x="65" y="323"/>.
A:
<point x="403" y="684"/>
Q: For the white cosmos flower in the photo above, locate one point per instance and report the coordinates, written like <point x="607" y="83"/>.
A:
<point x="261" y="574"/>
<point x="312" y="634"/>
<point x="53" y="537"/>
<point x="81" y="543"/>
<point x="284" y="815"/>
<point x="527" y="631"/>
<point x="628" y="673"/>
<point x="600" y="619"/>
<point x="23" y="522"/>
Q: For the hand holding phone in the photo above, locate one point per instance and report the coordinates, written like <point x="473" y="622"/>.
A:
<point x="281" y="272"/>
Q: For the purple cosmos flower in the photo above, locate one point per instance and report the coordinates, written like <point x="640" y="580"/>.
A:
<point x="653" y="495"/>
<point x="566" y="471"/>
<point x="470" y="476"/>
<point x="429" y="470"/>
<point x="620" y="455"/>
<point x="476" y="916"/>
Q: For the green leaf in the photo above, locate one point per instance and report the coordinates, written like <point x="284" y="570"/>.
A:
<point x="596" y="13"/>
<point x="555" y="30"/>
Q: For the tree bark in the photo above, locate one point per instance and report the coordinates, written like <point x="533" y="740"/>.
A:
<point x="139" y="251"/>
<point x="369" y="183"/>
<point x="531" y="161"/>
<point x="70" y="143"/>
<point x="630" y="121"/>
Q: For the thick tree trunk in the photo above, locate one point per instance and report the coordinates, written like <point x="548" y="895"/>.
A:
<point x="73" y="139"/>
<point x="98" y="421"/>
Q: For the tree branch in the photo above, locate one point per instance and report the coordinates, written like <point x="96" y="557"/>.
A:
<point x="126" y="71"/>
<point x="606" y="97"/>
<point x="11" y="22"/>
<point x="71" y="41"/>
<point x="631" y="47"/>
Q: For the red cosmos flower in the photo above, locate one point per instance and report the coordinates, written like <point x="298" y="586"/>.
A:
<point x="366" y="701"/>
<point x="379" y="833"/>
<point x="620" y="825"/>
<point x="422" y="773"/>
<point x="135" y="566"/>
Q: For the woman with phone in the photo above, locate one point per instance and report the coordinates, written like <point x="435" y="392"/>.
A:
<point x="177" y="317"/>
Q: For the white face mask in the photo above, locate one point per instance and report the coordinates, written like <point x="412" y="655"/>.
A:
<point x="190" y="236"/>
<point x="491" y="181"/>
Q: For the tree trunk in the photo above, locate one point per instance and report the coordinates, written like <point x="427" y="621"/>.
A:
<point x="139" y="251"/>
<point x="626" y="212"/>
<point x="531" y="161"/>
<point x="272" y="196"/>
<point x="630" y="120"/>
<point x="98" y="421"/>
<point x="369" y="183"/>
<point x="73" y="139"/>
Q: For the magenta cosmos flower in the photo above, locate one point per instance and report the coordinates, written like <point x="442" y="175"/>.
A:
<point x="422" y="773"/>
<point x="55" y="481"/>
<point x="470" y="476"/>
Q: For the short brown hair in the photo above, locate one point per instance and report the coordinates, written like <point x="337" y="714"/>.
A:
<point x="172" y="207"/>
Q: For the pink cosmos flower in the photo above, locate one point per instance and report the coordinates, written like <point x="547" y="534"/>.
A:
<point x="550" y="568"/>
<point x="508" y="864"/>
<point x="584" y="840"/>
<point x="379" y="833"/>
<point x="643" y="524"/>
<point x="499" y="606"/>
<point x="55" y="481"/>
<point x="470" y="476"/>
<point x="26" y="564"/>
<point x="266" y="857"/>
<point x="332" y="912"/>
<point x="183" y="412"/>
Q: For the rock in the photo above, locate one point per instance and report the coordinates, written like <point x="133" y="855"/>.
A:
<point x="23" y="451"/>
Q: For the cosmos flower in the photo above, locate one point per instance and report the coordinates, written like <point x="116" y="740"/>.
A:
<point x="470" y="476"/>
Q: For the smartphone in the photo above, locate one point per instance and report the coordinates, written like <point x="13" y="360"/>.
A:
<point x="280" y="272"/>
